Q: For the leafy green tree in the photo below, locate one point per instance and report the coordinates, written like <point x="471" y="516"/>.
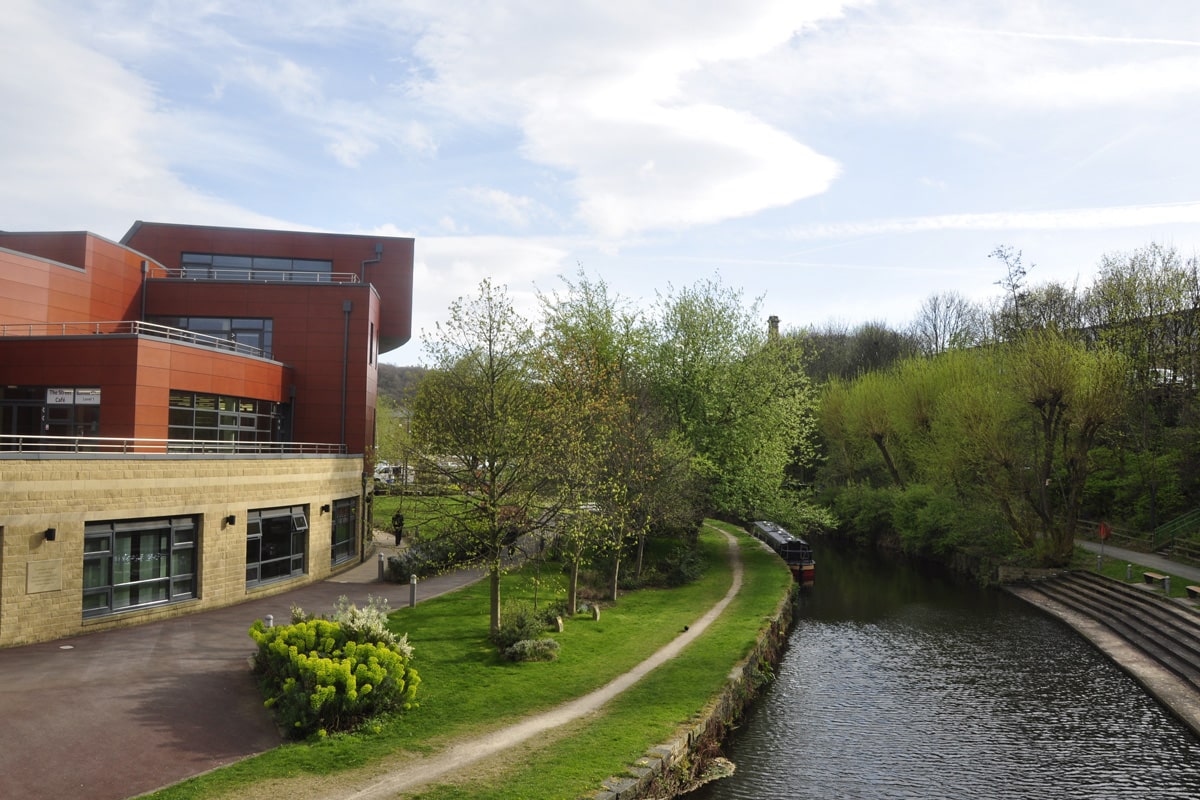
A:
<point x="739" y="397"/>
<point x="1146" y="305"/>
<point x="616" y="471"/>
<point x="480" y="424"/>
<point x="1021" y="430"/>
<point x="869" y="414"/>
<point x="391" y="422"/>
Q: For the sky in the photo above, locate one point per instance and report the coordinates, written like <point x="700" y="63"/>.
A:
<point x="839" y="161"/>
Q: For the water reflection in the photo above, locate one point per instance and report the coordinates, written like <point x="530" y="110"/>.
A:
<point x="899" y="684"/>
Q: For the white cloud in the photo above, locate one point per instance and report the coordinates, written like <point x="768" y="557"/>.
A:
<point x="511" y="209"/>
<point x="933" y="56"/>
<point x="80" y="145"/>
<point x="596" y="91"/>
<point x="1053" y="220"/>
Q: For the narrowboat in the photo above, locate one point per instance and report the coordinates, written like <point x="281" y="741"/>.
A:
<point x="794" y="551"/>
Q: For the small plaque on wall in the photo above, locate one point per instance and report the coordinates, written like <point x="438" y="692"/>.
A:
<point x="43" y="576"/>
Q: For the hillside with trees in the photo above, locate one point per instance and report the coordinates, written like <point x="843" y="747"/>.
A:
<point x="1000" y="431"/>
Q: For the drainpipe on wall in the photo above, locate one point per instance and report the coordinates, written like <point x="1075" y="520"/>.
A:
<point x="347" y="307"/>
<point x="145" y="273"/>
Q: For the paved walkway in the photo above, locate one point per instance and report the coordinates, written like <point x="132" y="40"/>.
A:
<point x="1146" y="559"/>
<point x="114" y="714"/>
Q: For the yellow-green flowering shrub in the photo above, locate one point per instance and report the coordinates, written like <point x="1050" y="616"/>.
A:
<point x="321" y="676"/>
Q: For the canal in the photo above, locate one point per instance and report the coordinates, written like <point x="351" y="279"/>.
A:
<point x="902" y="684"/>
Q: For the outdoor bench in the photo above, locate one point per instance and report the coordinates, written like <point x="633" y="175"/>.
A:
<point x="1155" y="577"/>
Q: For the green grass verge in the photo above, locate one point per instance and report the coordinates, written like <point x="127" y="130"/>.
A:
<point x="650" y="713"/>
<point x="467" y="690"/>
<point x="1119" y="568"/>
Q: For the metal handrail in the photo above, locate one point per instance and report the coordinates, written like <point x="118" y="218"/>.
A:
<point x="129" y="328"/>
<point x="17" y="444"/>
<point x="1169" y="531"/>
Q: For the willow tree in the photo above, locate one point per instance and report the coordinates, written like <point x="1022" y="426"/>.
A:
<point x="1022" y="429"/>
<point x="480" y="425"/>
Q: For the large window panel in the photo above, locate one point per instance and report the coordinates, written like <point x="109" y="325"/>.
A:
<point x="132" y="564"/>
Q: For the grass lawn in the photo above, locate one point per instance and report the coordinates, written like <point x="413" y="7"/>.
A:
<point x="467" y="690"/>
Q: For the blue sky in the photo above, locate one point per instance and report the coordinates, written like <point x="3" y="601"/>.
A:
<point x="841" y="160"/>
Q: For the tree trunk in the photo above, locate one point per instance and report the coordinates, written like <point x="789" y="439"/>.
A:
<point x="887" y="459"/>
<point x="494" y="580"/>
<point x="612" y="595"/>
<point x="573" y="589"/>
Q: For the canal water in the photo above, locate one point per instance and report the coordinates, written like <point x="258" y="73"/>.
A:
<point x="901" y="684"/>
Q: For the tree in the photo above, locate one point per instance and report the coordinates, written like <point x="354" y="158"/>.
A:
<point x="390" y="430"/>
<point x="946" y="320"/>
<point x="480" y="423"/>
<point x="739" y="397"/>
<point x="869" y="415"/>
<point x="1146" y="305"/>
<point x="835" y="351"/>
<point x="619" y="475"/>
<point x="1022" y="427"/>
<point x="1008" y="321"/>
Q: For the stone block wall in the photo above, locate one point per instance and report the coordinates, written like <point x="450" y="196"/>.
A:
<point x="41" y="580"/>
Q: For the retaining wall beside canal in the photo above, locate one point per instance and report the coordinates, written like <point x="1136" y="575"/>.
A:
<point x="676" y="766"/>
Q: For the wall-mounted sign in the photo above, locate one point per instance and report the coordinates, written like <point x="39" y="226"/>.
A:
<point x="43" y="576"/>
<point x="87" y="397"/>
<point x="72" y="397"/>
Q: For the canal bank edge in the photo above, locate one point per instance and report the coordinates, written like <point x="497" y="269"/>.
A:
<point x="1178" y="697"/>
<point x="675" y="767"/>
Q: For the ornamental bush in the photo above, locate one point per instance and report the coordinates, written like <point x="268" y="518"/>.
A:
<point x="320" y="676"/>
<point x="532" y="650"/>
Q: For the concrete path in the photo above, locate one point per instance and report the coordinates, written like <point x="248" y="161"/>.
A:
<point x="463" y="754"/>
<point x="1151" y="560"/>
<point x="109" y="715"/>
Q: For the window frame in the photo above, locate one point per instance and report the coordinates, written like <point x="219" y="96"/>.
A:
<point x="260" y="529"/>
<point x="100" y="547"/>
<point x="344" y="525"/>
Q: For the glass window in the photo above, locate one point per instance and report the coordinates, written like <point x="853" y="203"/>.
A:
<point x="131" y="564"/>
<point x="237" y="267"/>
<point x="345" y="523"/>
<point x="220" y="418"/>
<point x="276" y="543"/>
<point x="249" y="332"/>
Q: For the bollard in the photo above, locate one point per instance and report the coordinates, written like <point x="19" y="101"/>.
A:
<point x="270" y="620"/>
<point x="1167" y="586"/>
<point x="1099" y="563"/>
<point x="1129" y="572"/>
<point x="412" y="590"/>
<point x="382" y="565"/>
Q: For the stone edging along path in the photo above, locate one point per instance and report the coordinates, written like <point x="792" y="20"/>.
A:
<point x="463" y="754"/>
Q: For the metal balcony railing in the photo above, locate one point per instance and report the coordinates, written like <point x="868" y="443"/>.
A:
<point x="12" y="445"/>
<point x="250" y="275"/>
<point x="128" y="328"/>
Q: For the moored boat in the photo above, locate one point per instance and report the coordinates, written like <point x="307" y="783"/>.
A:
<point x="794" y="551"/>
